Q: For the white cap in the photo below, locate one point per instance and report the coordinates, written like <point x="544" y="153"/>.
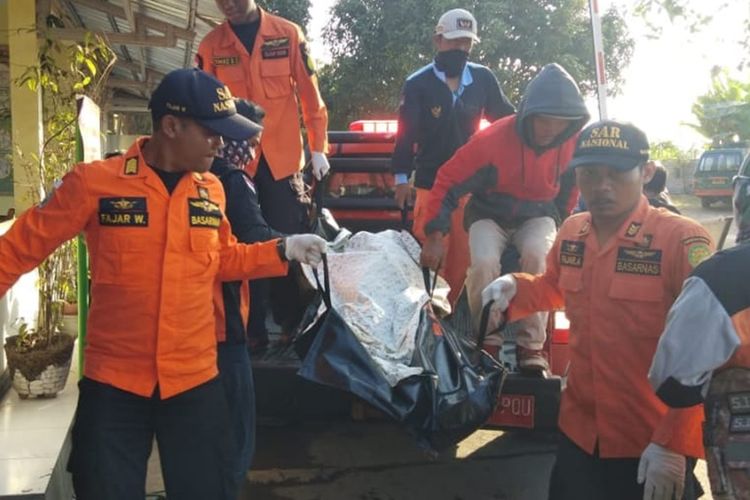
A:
<point x="457" y="23"/>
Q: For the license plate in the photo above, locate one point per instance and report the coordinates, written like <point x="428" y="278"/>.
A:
<point x="718" y="180"/>
<point x="514" y="410"/>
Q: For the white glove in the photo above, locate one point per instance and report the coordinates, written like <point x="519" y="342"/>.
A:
<point x="305" y="248"/>
<point x="663" y="471"/>
<point x="320" y="165"/>
<point x="502" y="291"/>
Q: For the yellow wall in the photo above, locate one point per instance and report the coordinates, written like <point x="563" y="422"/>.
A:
<point x="6" y="202"/>
<point x="26" y="106"/>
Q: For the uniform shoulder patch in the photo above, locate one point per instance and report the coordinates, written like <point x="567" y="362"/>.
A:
<point x="131" y="166"/>
<point x="695" y="239"/>
<point x="633" y="229"/>
<point x="697" y="252"/>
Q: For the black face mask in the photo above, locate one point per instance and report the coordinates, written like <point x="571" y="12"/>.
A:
<point x="451" y="62"/>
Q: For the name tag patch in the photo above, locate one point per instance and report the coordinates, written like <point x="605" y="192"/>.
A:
<point x="276" y="48"/>
<point x="571" y="253"/>
<point x="204" y="213"/>
<point x="123" y="211"/>
<point x="638" y="261"/>
<point x="226" y="60"/>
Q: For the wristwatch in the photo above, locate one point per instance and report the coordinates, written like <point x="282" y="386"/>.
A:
<point x="281" y="249"/>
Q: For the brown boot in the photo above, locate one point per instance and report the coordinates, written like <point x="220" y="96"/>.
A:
<point x="532" y="362"/>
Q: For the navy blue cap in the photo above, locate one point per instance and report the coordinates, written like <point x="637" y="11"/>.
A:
<point x="196" y="94"/>
<point x="617" y="144"/>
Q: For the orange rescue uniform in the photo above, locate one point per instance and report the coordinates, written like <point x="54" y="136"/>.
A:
<point x="456" y="242"/>
<point x="279" y="69"/>
<point x="155" y="259"/>
<point x="617" y="298"/>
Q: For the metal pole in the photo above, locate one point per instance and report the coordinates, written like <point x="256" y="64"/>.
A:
<point x="601" y="76"/>
<point x="83" y="270"/>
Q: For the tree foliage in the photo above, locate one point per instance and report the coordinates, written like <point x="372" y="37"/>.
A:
<point x="676" y="11"/>
<point x="62" y="72"/>
<point x="724" y="112"/>
<point x="376" y="44"/>
<point x="297" y="11"/>
<point x="669" y="151"/>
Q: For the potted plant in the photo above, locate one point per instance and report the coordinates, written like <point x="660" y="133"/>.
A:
<point x="39" y="356"/>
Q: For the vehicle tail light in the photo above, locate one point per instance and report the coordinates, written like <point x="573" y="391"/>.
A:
<point x="370" y="126"/>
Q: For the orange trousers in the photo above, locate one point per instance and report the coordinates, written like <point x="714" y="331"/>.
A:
<point x="456" y="260"/>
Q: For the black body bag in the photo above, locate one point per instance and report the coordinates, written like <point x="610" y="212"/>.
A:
<point x="456" y="393"/>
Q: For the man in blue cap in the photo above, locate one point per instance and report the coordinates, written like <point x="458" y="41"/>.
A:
<point x="159" y="239"/>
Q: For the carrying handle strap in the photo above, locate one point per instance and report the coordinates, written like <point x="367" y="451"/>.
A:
<point x="317" y="189"/>
<point x="484" y="321"/>
<point x="405" y="218"/>
<point x="325" y="288"/>
<point x="429" y="283"/>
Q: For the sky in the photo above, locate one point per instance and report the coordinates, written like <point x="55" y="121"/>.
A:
<point x="666" y="74"/>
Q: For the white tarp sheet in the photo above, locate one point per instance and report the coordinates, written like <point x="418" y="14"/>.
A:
<point x="378" y="288"/>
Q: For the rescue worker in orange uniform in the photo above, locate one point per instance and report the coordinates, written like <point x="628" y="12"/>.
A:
<point x="154" y="224"/>
<point x="616" y="269"/>
<point x="442" y="105"/>
<point x="265" y="59"/>
<point x="704" y="355"/>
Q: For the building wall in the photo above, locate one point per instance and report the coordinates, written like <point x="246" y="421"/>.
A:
<point x="6" y="176"/>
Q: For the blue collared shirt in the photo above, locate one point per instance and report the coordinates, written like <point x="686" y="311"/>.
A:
<point x="466" y="80"/>
<point x="438" y="120"/>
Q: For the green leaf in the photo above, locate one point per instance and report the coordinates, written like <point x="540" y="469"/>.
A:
<point x="91" y="66"/>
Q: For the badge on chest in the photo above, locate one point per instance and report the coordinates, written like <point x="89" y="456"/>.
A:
<point x="640" y="261"/>
<point x="123" y="211"/>
<point x="275" y="48"/>
<point x="571" y="253"/>
<point x="204" y="213"/>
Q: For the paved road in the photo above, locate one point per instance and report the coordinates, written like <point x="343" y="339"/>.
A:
<point x="377" y="461"/>
<point x="712" y="218"/>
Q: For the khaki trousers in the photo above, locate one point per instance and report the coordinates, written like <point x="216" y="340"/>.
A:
<point x="487" y="242"/>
